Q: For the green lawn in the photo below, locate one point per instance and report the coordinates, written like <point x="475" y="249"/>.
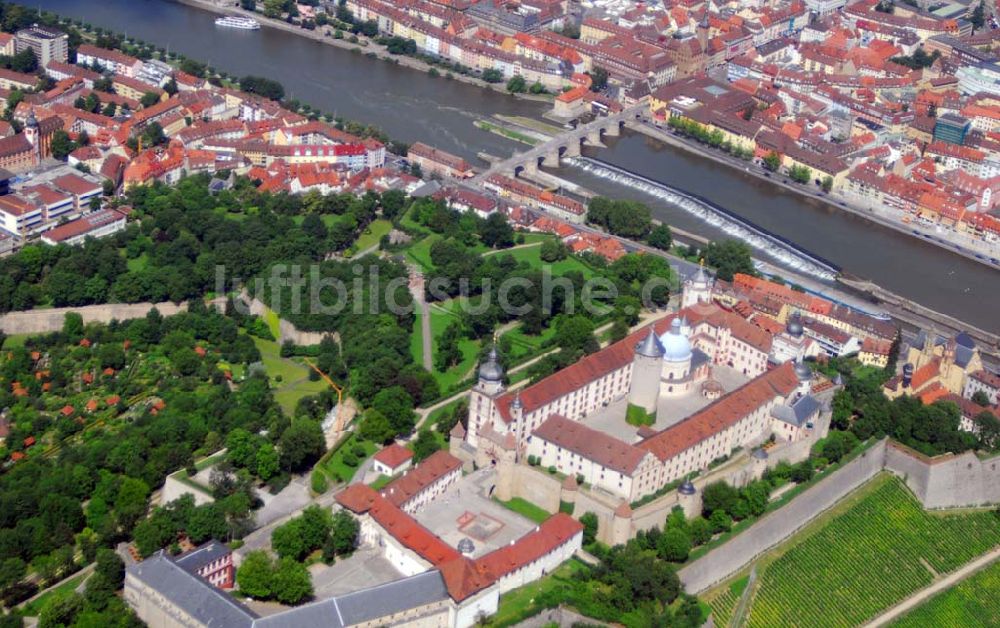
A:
<point x="137" y="264"/>
<point x="441" y="317"/>
<point x="335" y="468"/>
<point x="862" y="559"/>
<point x="972" y="602"/>
<point x="526" y="509"/>
<point x="32" y="609"/>
<point x="519" y="604"/>
<point x="15" y="340"/>
<point x="372" y="235"/>
<point x="381" y="482"/>
<point x="438" y="414"/>
<point x="295" y="382"/>
<point x="524" y="344"/>
<point x="533" y="256"/>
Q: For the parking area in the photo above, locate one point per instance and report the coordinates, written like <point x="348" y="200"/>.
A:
<point x="466" y="512"/>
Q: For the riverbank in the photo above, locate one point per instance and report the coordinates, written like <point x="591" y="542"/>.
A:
<point x="365" y="45"/>
<point x="981" y="255"/>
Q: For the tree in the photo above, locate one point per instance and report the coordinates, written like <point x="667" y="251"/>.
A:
<point x="288" y="540"/>
<point x="268" y="462"/>
<point x="598" y="79"/>
<point x="553" y="250"/>
<point x="660" y="237"/>
<point x="729" y="257"/>
<point x="375" y="427"/>
<point x="425" y="445"/>
<point x="981" y="398"/>
<point x="718" y="496"/>
<point x="61" y="145"/>
<point x="291" y="583"/>
<point x="110" y="568"/>
<point x="255" y="575"/>
<point x="575" y="335"/>
<point x="344" y="535"/>
<point x="517" y="85"/>
<point x="492" y="75"/>
<point x="149" y="99"/>
<point x="301" y="444"/>
<point x="772" y="161"/>
<point x="827" y="184"/>
<point x="261" y="86"/>
<point x="496" y="231"/>
<point x="397" y="406"/>
<point x="590" y="523"/>
<point x="978" y="17"/>
<point x="674" y="545"/>
<point x="987" y="429"/>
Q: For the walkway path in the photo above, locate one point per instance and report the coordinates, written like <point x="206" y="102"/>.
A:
<point x="926" y="593"/>
<point x="417" y="290"/>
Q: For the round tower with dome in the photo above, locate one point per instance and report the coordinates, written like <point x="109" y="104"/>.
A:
<point x="675" y="369"/>
<point x="697" y="288"/>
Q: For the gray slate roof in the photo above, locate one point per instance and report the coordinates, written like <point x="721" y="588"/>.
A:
<point x="195" y="595"/>
<point x="798" y="412"/>
<point x="202" y="555"/>
<point x="216" y="609"/>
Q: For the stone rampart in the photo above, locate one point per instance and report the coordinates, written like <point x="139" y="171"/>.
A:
<point x="947" y="481"/>
<point x="50" y="320"/>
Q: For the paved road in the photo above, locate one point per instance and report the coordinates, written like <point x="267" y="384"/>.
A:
<point x="926" y="593"/>
<point x="417" y="290"/>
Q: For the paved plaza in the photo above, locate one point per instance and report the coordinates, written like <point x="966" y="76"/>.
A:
<point x="364" y="568"/>
<point x="465" y="511"/>
<point x="669" y="411"/>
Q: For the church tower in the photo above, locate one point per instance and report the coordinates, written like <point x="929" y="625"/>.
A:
<point x="482" y="409"/>
<point x="697" y="288"/>
<point x="31" y="133"/>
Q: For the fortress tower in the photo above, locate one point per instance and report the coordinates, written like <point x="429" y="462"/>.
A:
<point x="646" y="368"/>
<point x="697" y="288"/>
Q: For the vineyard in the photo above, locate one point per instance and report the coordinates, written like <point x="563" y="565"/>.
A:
<point x="876" y="553"/>
<point x="973" y="602"/>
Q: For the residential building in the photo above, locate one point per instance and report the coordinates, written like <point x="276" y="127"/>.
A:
<point x="48" y="44"/>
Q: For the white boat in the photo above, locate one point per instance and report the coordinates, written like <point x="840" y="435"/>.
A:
<point x="236" y="21"/>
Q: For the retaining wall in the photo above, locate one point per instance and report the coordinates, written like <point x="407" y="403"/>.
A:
<point x="947" y="481"/>
<point x="50" y="320"/>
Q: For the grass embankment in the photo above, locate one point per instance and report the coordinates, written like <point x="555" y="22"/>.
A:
<point x="873" y="550"/>
<point x="505" y="132"/>
<point x="66" y="588"/>
<point x="526" y="509"/>
<point x="521" y="603"/>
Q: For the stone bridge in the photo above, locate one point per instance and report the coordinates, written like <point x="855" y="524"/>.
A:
<point x="567" y="144"/>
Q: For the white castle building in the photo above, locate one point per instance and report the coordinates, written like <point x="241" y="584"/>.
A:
<point x="574" y="420"/>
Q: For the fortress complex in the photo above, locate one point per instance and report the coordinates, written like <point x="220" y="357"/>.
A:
<point x="654" y="407"/>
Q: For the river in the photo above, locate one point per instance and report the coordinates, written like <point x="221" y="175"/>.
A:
<point x="413" y="106"/>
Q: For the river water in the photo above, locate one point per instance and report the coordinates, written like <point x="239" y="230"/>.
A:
<point x="413" y="106"/>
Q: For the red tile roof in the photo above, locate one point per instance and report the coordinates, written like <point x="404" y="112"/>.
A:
<point x="394" y="455"/>
<point x="436" y="466"/>
<point x="591" y="444"/>
<point x="722" y="413"/>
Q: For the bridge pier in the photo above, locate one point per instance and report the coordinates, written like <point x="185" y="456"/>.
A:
<point x="613" y="130"/>
<point x="594" y="137"/>
<point x="572" y="150"/>
<point x="551" y="159"/>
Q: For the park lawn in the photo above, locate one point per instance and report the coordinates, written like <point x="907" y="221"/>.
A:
<point x="295" y="382"/>
<point x="519" y="604"/>
<point x="973" y="602"/>
<point x="533" y="256"/>
<point x="526" y="344"/>
<point x="526" y="509"/>
<point x="335" y="468"/>
<point x="137" y="264"/>
<point x="372" y="234"/>
<point x="64" y="589"/>
<point x="440" y="319"/>
<point x="381" y="482"/>
<point x="866" y="556"/>
<point x="419" y="252"/>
